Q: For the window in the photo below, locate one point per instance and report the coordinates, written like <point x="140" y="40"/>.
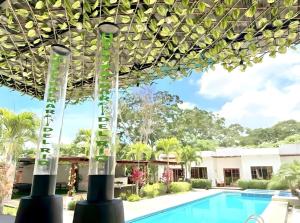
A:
<point x="231" y="175"/>
<point x="177" y="174"/>
<point x="261" y="172"/>
<point x="199" y="172"/>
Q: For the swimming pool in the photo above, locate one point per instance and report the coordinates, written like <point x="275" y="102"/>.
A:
<point x="224" y="207"/>
<point x="257" y="192"/>
<point x="285" y="194"/>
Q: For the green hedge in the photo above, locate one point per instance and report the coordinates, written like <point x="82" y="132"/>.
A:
<point x="123" y="196"/>
<point x="201" y="183"/>
<point x="154" y="190"/>
<point x="253" y="184"/>
<point x="133" y="197"/>
<point x="277" y="184"/>
<point x="177" y="187"/>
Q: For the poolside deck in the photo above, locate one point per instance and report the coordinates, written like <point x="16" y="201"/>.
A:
<point x="6" y="219"/>
<point x="149" y="206"/>
<point x="276" y="212"/>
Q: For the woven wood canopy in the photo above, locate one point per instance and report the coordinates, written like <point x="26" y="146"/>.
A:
<point x="158" y="38"/>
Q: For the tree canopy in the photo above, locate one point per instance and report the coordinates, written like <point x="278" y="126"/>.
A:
<point x="148" y="115"/>
<point x="145" y="117"/>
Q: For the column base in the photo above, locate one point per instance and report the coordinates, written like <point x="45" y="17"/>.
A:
<point x="41" y="209"/>
<point x="99" y="212"/>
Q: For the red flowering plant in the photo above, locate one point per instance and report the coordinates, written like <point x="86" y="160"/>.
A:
<point x="167" y="176"/>
<point x="138" y="177"/>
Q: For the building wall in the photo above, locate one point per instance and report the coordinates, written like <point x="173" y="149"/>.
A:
<point x="27" y="172"/>
<point x="83" y="174"/>
<point x="209" y="163"/>
<point x="258" y="160"/>
<point x="63" y="173"/>
<point x="214" y="161"/>
<point x="222" y="163"/>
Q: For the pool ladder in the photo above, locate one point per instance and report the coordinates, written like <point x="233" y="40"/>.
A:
<point x="256" y="218"/>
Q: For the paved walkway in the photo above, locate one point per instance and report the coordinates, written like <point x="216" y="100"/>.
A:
<point x="276" y="212"/>
<point x="295" y="216"/>
<point x="6" y="219"/>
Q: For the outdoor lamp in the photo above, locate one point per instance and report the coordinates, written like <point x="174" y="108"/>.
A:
<point x="100" y="205"/>
<point x="43" y="205"/>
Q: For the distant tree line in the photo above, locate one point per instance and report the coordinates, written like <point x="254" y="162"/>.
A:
<point x="146" y="116"/>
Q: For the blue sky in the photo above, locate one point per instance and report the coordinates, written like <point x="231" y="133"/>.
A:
<point x="263" y="95"/>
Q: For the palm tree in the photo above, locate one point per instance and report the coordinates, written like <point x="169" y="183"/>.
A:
<point x="16" y="130"/>
<point x="290" y="173"/>
<point x="139" y="151"/>
<point x="83" y="141"/>
<point x="187" y="155"/>
<point x="167" y="146"/>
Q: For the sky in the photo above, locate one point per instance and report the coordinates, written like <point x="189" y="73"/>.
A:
<point x="259" y="97"/>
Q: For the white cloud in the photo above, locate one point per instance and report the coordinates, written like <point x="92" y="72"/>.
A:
<point x="186" y="105"/>
<point x="262" y="95"/>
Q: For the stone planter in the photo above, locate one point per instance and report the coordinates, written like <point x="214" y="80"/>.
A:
<point x="67" y="201"/>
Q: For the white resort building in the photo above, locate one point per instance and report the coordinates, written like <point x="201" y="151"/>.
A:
<point x="225" y="166"/>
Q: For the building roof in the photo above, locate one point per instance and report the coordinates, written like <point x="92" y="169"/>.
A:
<point x="158" y="38"/>
<point x="289" y="149"/>
<point x="73" y="159"/>
<point x="283" y="150"/>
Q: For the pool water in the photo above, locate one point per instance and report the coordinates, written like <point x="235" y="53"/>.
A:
<point x="220" y="208"/>
<point x="285" y="194"/>
<point x="258" y="191"/>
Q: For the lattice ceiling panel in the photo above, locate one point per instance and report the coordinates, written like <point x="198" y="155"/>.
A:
<point x="158" y="37"/>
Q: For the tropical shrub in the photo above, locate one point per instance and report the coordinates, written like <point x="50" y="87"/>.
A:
<point x="177" y="187"/>
<point x="201" y="183"/>
<point x="6" y="182"/>
<point x="290" y="173"/>
<point x="167" y="146"/>
<point x="253" y="184"/>
<point x="72" y="205"/>
<point x="133" y="197"/>
<point x="123" y="196"/>
<point x="167" y="176"/>
<point x="138" y="177"/>
<point x="154" y="190"/>
<point x="277" y="184"/>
